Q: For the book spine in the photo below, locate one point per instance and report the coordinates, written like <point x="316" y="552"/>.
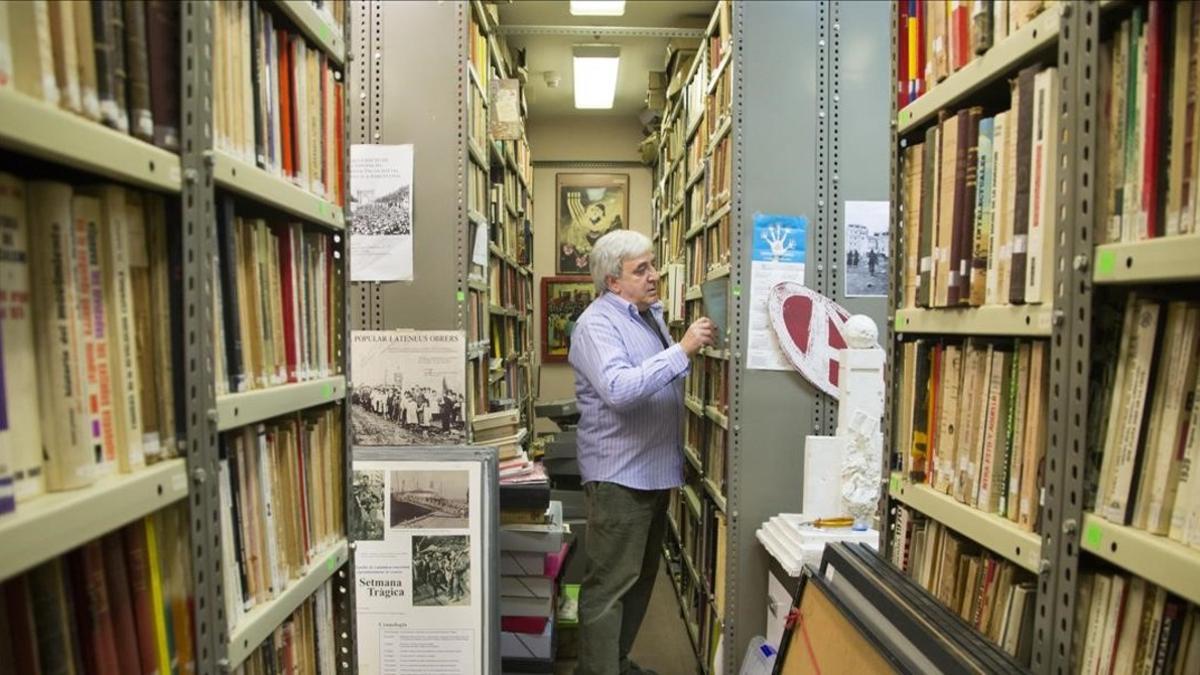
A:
<point x="1022" y="191"/>
<point x="20" y="430"/>
<point x="54" y="618"/>
<point x="1042" y="192"/>
<point x="99" y="401"/>
<point x="145" y="611"/>
<point x="162" y="46"/>
<point x="982" y="227"/>
<point x="102" y="639"/>
<point x="228" y="261"/>
<point x="121" y="603"/>
<point x="66" y="432"/>
<point x="66" y="60"/>
<point x="1151" y="152"/>
<point x="141" y="117"/>
<point x="117" y="63"/>
<point x="158" y="604"/>
<point x="85" y="54"/>
<point x="31" y="47"/>
<point x="1141" y="349"/>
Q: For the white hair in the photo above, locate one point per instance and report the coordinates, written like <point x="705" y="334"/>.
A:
<point x="611" y="251"/>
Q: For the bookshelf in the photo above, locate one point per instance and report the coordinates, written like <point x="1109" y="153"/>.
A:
<point x="1096" y="271"/>
<point x="39" y="129"/>
<point x="68" y="147"/>
<point x="57" y="522"/>
<point x="998" y="534"/>
<point x="259" y="623"/>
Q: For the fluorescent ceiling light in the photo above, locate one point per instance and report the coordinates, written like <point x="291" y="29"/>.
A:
<point x="596" y="76"/>
<point x="597" y="7"/>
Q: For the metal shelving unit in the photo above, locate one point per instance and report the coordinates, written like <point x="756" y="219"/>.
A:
<point x="258" y="624"/>
<point x="1165" y="259"/>
<point x="48" y="132"/>
<point x="996" y="533"/>
<point x="258" y="185"/>
<point x="1006" y="320"/>
<point x="57" y="522"/>
<point x="237" y="410"/>
<point x="1157" y="559"/>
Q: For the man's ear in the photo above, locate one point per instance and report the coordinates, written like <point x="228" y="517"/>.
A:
<point x="611" y="282"/>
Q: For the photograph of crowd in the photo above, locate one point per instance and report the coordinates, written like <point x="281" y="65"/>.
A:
<point x="430" y="499"/>
<point x="408" y="388"/>
<point x="441" y="569"/>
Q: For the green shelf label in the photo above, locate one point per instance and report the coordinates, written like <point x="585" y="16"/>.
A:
<point x="1093" y="535"/>
<point x="737" y="291"/>
<point x="905" y="116"/>
<point x="1106" y="263"/>
<point x="898" y="324"/>
<point x="895" y="485"/>
<point x="331" y="564"/>
<point x="461" y="297"/>
<point x="328" y="389"/>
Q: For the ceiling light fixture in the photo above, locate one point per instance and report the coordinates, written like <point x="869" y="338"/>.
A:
<point x="597" y="7"/>
<point x="596" y="76"/>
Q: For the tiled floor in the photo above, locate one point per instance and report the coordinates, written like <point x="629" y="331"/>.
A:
<point x="662" y="645"/>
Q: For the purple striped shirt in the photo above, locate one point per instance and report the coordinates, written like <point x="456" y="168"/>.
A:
<point x="629" y="391"/>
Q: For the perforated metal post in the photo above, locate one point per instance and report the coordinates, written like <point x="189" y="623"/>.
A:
<point x="896" y="244"/>
<point x="820" y="225"/>
<point x="1078" y="65"/>
<point x="343" y="581"/>
<point x="199" y="247"/>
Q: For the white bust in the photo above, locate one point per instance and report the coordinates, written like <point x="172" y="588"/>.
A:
<point x="861" y="332"/>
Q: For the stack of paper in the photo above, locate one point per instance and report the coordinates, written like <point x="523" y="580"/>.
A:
<point x="795" y="544"/>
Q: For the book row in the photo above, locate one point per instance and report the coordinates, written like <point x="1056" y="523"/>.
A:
<point x="971" y="421"/>
<point x="1129" y="625"/>
<point x="89" y="336"/>
<point x="303" y="643"/>
<point x="1147" y="121"/>
<point x="277" y="302"/>
<point x="119" y="605"/>
<point x="937" y="39"/>
<point x="977" y="202"/>
<point x="700" y="550"/>
<point x="993" y="595"/>
<point x="112" y="62"/>
<point x="278" y="102"/>
<point x="281" y="496"/>
<point x="1147" y="418"/>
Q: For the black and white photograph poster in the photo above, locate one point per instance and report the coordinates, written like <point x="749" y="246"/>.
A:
<point x="409" y="387"/>
<point x="366" y="514"/>
<point x="865" y="247"/>
<point x="381" y="212"/>
<point x="419" y="604"/>
<point x="430" y="499"/>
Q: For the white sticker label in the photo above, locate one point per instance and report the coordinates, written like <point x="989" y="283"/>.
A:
<point x="1020" y="242"/>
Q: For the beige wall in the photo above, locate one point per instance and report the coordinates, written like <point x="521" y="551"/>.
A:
<point x="578" y="139"/>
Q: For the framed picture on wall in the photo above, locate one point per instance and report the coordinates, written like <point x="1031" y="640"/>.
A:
<point x="563" y="299"/>
<point x="590" y="205"/>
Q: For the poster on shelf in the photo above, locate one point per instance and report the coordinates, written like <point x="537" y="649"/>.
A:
<point x="421" y="526"/>
<point x="381" y="212"/>
<point x="409" y="387"/>
<point x="866" y="245"/>
<point x="778" y="255"/>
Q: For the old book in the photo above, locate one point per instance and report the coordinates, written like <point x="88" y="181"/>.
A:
<point x="16" y="604"/>
<point x="1185" y="514"/>
<point x="1122" y="447"/>
<point x="1135" y="127"/>
<point x="1098" y="611"/>
<point x="904" y="416"/>
<point x="1115" y="104"/>
<point x="981" y="26"/>
<point x="19" y="386"/>
<point x="963" y="244"/>
<point x="1127" y="635"/>
<point x="1043" y="187"/>
<point x="137" y="66"/>
<point x="140" y="282"/>
<point x="1191" y="217"/>
<point x="1023" y="187"/>
<point x="911" y="219"/>
<point x="119" y="63"/>
<point x="997" y="211"/>
<point x="85" y="54"/>
<point x="54" y="616"/>
<point x="95" y="324"/>
<point x="933" y="463"/>
<point x="1150" y="224"/>
<point x="162" y="46"/>
<point x="938" y="47"/>
<point x="1006" y="200"/>
<point x="120" y="599"/>
<point x="137" y="563"/>
<point x="32" y="50"/>
<point x="62" y="392"/>
<point x="1016" y="395"/>
<point x="1083" y="606"/>
<point x="1179" y="122"/>
<point x="6" y="56"/>
<point x="66" y="61"/>
<point x="95" y="610"/>
<point x="943" y="272"/>
<point x="922" y="395"/>
<point x="167" y="333"/>
<point x="982" y="226"/>
<point x="947" y="439"/>
<point x="1031" y="425"/>
<point x="930" y="182"/>
<point x="1166" y="431"/>
<point x="115" y="255"/>
<point x="976" y="362"/>
<point x="103" y="42"/>
<point x="1150" y="629"/>
<point x="994" y="462"/>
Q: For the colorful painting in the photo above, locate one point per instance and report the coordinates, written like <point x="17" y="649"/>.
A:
<point x="590" y="205"/>
<point x="563" y="300"/>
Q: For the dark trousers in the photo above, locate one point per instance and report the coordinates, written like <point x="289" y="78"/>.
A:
<point x="625" y="529"/>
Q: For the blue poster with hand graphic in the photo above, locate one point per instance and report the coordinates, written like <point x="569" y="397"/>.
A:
<point x="779" y="238"/>
<point x="778" y="254"/>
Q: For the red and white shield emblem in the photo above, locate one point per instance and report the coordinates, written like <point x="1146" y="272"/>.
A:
<point x="810" y="328"/>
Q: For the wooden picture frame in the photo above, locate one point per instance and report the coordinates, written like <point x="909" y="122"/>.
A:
<point x="588" y="206"/>
<point x="563" y="299"/>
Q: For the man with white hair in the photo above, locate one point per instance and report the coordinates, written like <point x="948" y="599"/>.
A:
<point x="629" y="391"/>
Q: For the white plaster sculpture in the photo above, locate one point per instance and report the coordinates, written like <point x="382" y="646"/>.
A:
<point x="860" y="413"/>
